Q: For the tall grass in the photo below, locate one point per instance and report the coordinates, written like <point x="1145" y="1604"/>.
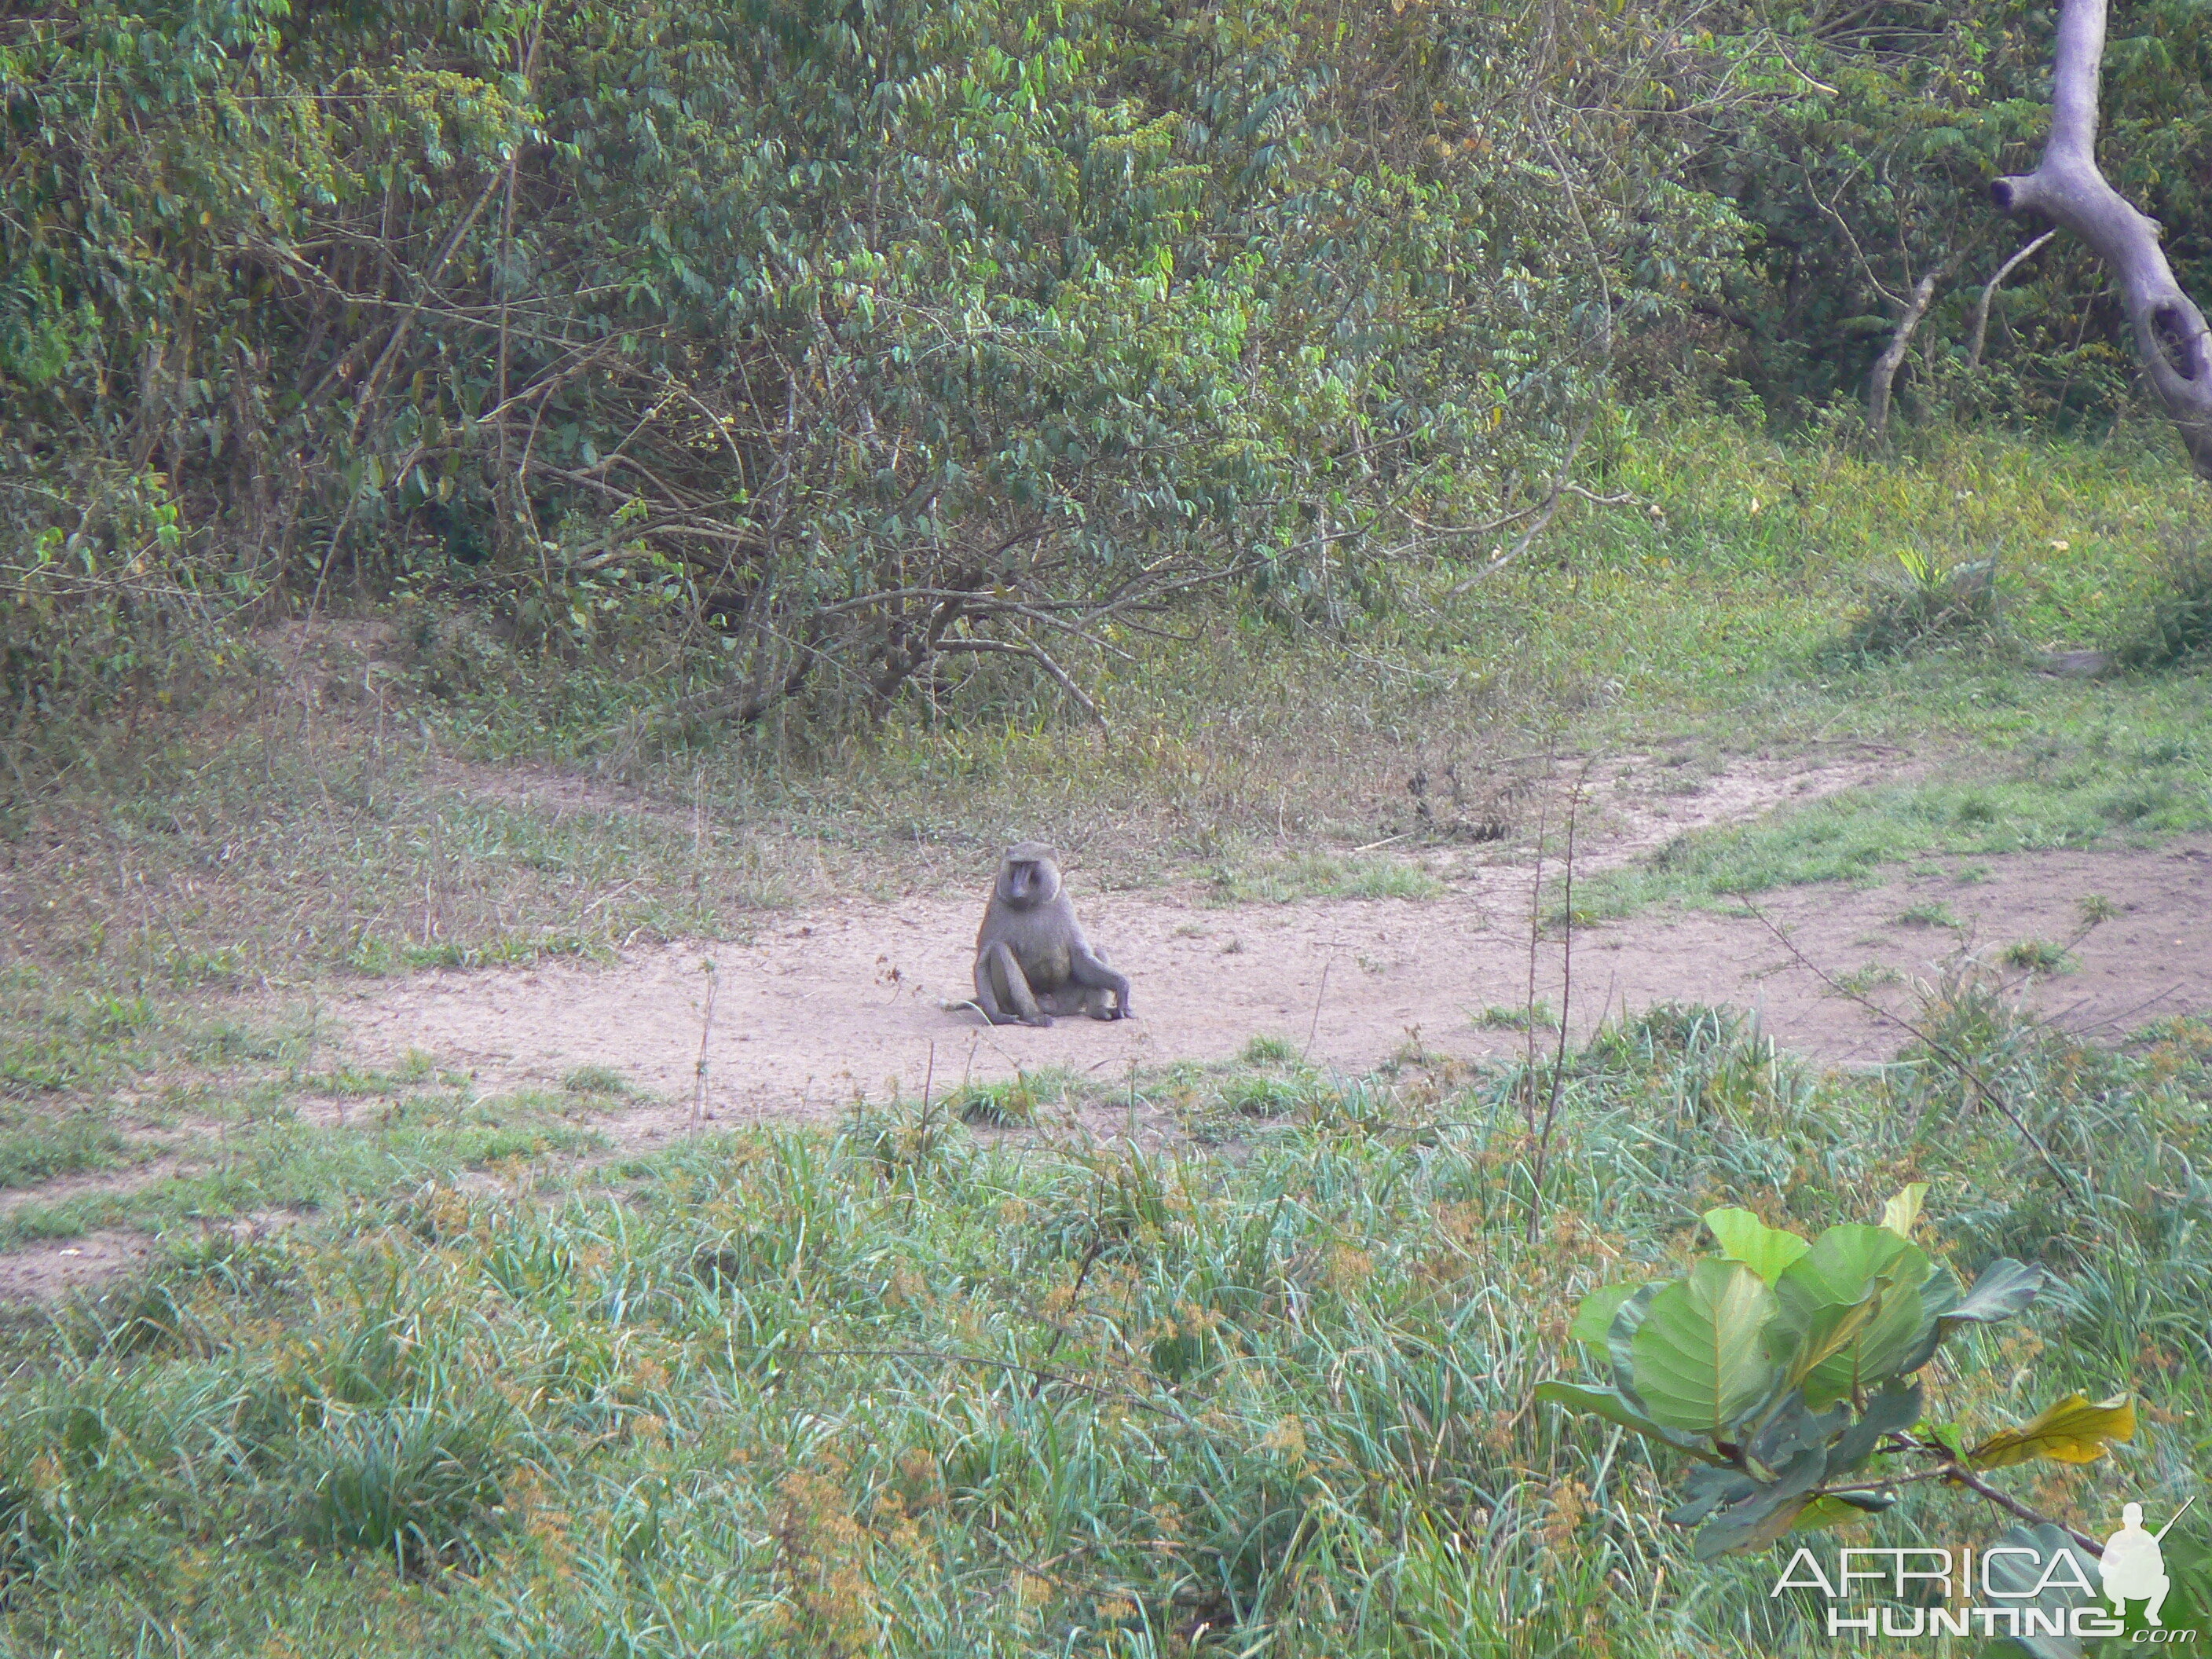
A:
<point x="904" y="1390"/>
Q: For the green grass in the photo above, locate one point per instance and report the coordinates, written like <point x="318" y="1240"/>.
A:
<point x="255" y="1153"/>
<point x="923" y="1394"/>
<point x="995" y="1105"/>
<point x="37" y="1147"/>
<point x="2038" y="955"/>
<point x="596" y="1080"/>
<point x="1932" y="913"/>
<point x="2099" y="788"/>
<point x="1526" y="1017"/>
<point x="1319" y="875"/>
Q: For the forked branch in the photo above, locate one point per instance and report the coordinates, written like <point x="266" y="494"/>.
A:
<point x="1981" y="329"/>
<point x="1882" y="381"/>
<point x="2067" y="188"/>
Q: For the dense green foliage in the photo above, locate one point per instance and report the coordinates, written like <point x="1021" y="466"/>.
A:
<point x="789" y="347"/>
<point x="1785" y="1367"/>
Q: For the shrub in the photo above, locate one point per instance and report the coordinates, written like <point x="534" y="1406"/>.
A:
<point x="2178" y="624"/>
<point x="1784" y="1368"/>
<point x="1929" y="605"/>
<point x="419" y="1481"/>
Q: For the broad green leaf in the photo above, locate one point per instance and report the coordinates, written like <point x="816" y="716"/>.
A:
<point x="2004" y="1289"/>
<point x="1901" y="1211"/>
<point x="1851" y="1311"/>
<point x="1708" y="1488"/>
<point x="1593" y="1318"/>
<point x="1744" y="1237"/>
<point x="1700" y="1363"/>
<point x="1612" y="1406"/>
<point x="1620" y="1338"/>
<point x="1758" y="1520"/>
<point x="1875" y="1354"/>
<point x="1790" y="1429"/>
<point x="2068" y="1430"/>
<point x="1840" y="1268"/>
<point x="1890" y="1410"/>
<point x="1804" y="1335"/>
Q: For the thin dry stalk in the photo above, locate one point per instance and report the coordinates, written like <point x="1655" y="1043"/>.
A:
<point x="1566" y="1008"/>
<point x="1313" y="1027"/>
<point x="1536" y="939"/>
<point x="921" y="1138"/>
<point x="706" y="1032"/>
<point x="1943" y="1051"/>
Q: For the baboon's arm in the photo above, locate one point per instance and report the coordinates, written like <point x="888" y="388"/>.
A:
<point x="1090" y="968"/>
<point x="996" y="965"/>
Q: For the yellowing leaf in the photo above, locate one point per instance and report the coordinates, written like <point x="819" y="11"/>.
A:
<point x="1901" y="1211"/>
<point x="1744" y="1237"/>
<point x="2068" y="1430"/>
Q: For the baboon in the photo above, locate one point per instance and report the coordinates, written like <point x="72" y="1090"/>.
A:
<point x="1032" y="959"/>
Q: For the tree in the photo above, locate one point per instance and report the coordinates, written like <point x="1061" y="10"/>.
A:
<point x="2067" y="188"/>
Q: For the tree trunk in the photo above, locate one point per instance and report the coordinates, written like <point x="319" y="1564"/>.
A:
<point x="2066" y="187"/>
<point x="1884" y="377"/>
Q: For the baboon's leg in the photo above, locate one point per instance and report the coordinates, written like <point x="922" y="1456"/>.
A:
<point x="1002" y="990"/>
<point x="1105" y="993"/>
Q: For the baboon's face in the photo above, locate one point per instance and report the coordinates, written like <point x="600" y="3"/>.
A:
<point x="1030" y="875"/>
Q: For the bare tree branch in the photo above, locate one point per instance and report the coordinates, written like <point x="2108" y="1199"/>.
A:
<point x="1550" y="507"/>
<point x="1004" y="647"/>
<point x="2067" y="188"/>
<point x="1989" y="291"/>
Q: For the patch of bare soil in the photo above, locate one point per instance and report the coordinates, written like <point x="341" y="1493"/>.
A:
<point x="860" y="999"/>
<point x="53" y="1268"/>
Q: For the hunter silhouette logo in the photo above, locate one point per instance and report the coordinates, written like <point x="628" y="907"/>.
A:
<point x="2134" y="1567"/>
<point x="2031" y="1584"/>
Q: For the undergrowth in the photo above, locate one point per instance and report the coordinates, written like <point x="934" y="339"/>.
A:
<point x="2177" y="624"/>
<point x="901" y="1389"/>
<point x="363" y="808"/>
<point x="1931" y="606"/>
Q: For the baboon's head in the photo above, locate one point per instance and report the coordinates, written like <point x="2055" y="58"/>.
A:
<point x="1029" y="875"/>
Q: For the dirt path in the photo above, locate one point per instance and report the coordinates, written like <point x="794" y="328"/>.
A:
<point x="54" y="1266"/>
<point x="860" y="998"/>
<point x="853" y="999"/>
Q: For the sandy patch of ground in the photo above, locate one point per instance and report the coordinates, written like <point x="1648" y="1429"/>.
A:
<point x="852" y="999"/>
<point x="53" y="1268"/>
<point x="861" y="998"/>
